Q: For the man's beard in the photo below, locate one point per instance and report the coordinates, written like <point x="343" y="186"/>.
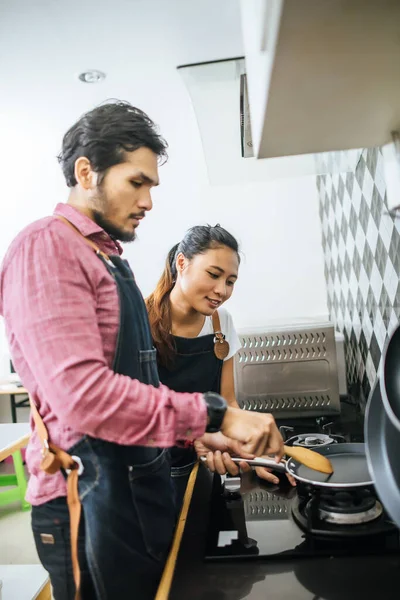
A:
<point x="113" y="232"/>
<point x="100" y="217"/>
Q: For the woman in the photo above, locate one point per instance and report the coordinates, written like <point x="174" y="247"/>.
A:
<point x="194" y="336"/>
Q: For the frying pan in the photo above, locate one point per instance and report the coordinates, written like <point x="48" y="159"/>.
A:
<point x="348" y="460"/>
<point x="382" y="446"/>
<point x="390" y="382"/>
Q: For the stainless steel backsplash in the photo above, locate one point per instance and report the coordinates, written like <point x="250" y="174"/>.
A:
<point x="290" y="371"/>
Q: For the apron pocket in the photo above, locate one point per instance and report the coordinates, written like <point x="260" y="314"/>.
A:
<point x="153" y="499"/>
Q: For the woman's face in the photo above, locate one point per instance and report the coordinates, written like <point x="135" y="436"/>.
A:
<point x="207" y="280"/>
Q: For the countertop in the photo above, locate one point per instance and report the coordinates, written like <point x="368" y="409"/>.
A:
<point x="355" y="578"/>
<point x="344" y="578"/>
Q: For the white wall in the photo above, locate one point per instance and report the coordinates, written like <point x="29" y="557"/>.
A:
<point x="277" y="222"/>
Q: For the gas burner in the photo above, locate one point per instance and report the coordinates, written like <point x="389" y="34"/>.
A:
<point x="349" y="508"/>
<point x="340" y="513"/>
<point x="311" y="440"/>
<point x="337" y="518"/>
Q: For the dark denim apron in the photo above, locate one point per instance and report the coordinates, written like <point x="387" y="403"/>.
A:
<point x="195" y="369"/>
<point x="126" y="492"/>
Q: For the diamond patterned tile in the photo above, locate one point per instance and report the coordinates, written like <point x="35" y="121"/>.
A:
<point x="346" y="204"/>
<point x="333" y="198"/>
<point x="385" y="230"/>
<point x="394" y="245"/>
<point x="344" y="228"/>
<point x="393" y="323"/>
<point x="347" y="265"/>
<point x="381" y="257"/>
<point x="377" y="205"/>
<point x="356" y="197"/>
<point x="360" y="239"/>
<point x="391" y="281"/>
<point x="341" y="189"/>
<point x="353" y="221"/>
<point x="371" y="304"/>
<point x="364" y="214"/>
<point x="376" y="282"/>
<point x="367" y="260"/>
<point x="361" y="243"/>
<point x="350" y="246"/>
<point x="371" y="160"/>
<point x="360" y="169"/>
<point x="372" y="235"/>
<point x="385" y="306"/>
<point x="341" y="249"/>
<point x="379" y="177"/>
<point x="349" y="182"/>
<point x="367" y="187"/>
<point x="360" y="303"/>
<point x="363" y="282"/>
<point x="366" y="386"/>
<point x="375" y="351"/>
<point x="396" y="304"/>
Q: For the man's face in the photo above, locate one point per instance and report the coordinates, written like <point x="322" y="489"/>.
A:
<point x="124" y="195"/>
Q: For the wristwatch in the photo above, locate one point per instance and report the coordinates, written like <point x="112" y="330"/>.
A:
<point x="216" y="409"/>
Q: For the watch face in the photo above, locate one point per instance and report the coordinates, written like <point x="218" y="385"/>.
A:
<point x="216" y="401"/>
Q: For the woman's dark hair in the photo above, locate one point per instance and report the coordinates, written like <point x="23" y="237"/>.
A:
<point x="104" y="133"/>
<point x="197" y="240"/>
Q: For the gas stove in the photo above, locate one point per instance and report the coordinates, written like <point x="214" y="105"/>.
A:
<point x="250" y="518"/>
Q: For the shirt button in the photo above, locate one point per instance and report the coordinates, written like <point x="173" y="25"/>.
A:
<point x="151" y="441"/>
<point x="189" y="433"/>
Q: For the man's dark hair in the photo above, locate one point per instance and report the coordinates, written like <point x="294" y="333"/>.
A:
<point x="103" y="134"/>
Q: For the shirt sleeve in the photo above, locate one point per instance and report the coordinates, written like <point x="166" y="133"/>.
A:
<point x="228" y="329"/>
<point x="49" y="305"/>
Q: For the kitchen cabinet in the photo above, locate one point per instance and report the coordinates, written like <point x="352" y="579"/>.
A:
<point x="321" y="76"/>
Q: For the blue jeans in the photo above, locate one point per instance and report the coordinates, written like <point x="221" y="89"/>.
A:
<point x="129" y="519"/>
<point x="50" y="526"/>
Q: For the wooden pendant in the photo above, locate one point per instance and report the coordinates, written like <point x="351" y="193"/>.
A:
<point x="221" y="346"/>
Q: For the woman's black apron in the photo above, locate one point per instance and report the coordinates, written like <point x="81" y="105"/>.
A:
<point x="195" y="368"/>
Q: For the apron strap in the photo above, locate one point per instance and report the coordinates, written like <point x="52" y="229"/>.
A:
<point x="54" y="458"/>
<point x="221" y="346"/>
<point x="216" y="324"/>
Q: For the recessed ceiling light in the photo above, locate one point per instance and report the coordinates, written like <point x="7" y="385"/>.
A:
<point x="92" y="76"/>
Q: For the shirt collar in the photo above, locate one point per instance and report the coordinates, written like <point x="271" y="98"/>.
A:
<point x="86" y="226"/>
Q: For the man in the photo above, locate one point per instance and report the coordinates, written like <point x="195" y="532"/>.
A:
<point x="80" y="341"/>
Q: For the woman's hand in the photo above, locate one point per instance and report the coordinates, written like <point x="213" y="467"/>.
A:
<point x="220" y="461"/>
<point x="268" y="475"/>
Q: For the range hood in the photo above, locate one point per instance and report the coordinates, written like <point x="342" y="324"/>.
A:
<point x="218" y="92"/>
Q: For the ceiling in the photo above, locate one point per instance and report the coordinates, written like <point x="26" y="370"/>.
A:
<point x="45" y="44"/>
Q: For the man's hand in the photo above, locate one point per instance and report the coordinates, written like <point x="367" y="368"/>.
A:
<point x="217" y="448"/>
<point x="211" y="442"/>
<point x="257" y="432"/>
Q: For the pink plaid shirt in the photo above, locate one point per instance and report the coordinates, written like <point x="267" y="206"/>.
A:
<point x="60" y="307"/>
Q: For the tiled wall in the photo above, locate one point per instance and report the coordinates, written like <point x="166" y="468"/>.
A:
<point x="361" y="243"/>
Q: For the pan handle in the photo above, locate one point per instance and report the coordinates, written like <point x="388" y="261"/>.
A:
<point x="269" y="463"/>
